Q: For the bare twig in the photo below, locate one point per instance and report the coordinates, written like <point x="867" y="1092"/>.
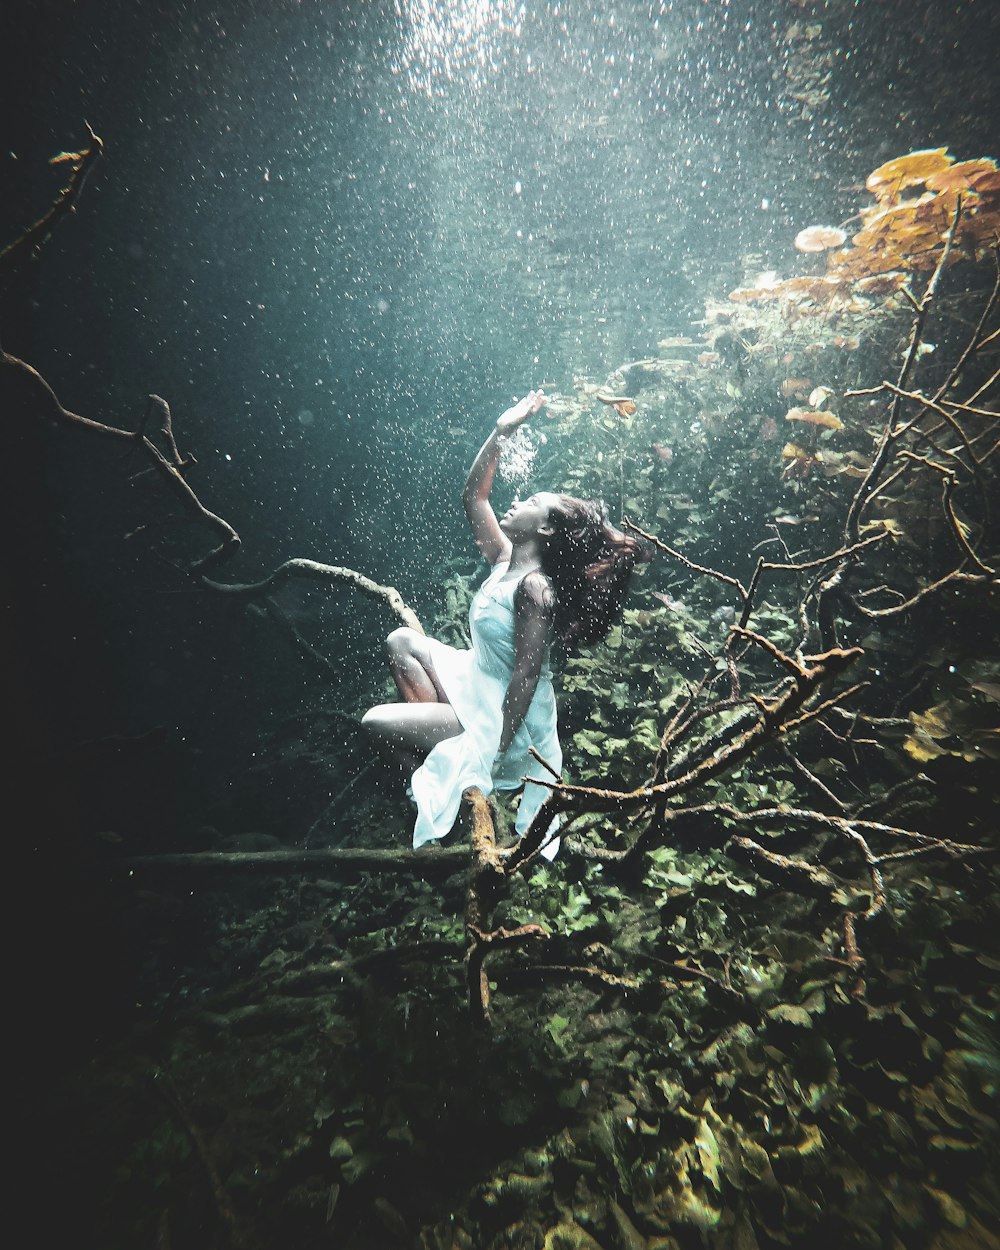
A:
<point x="28" y="244"/>
<point x="312" y="570"/>
<point x="27" y="392"/>
<point x="239" y="1236"/>
<point x="871" y="478"/>
<point x="688" y="564"/>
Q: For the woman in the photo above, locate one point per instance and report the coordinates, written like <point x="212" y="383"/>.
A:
<point x="558" y="568"/>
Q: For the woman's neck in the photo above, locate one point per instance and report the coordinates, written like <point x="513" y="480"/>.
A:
<point x="525" y="555"/>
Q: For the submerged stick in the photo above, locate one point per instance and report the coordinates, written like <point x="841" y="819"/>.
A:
<point x="882" y="452"/>
<point x="239" y="1236"/>
<point x="486" y="879"/>
<point x="682" y="559"/>
<point x="38" y="234"/>
<point x="313" y="570"/>
<point x="423" y="863"/>
<point x="26" y="392"/>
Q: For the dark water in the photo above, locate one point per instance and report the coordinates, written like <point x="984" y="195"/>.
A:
<point x="339" y="239"/>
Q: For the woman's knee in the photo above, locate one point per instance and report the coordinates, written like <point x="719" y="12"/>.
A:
<point x="402" y="641"/>
<point x="374" y="722"/>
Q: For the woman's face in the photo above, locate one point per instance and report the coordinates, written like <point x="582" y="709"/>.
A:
<point x="529" y="518"/>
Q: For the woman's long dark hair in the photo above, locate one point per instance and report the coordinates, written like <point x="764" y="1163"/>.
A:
<point x="589" y="563"/>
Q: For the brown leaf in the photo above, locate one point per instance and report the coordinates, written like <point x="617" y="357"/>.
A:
<point x="828" y="420"/>
<point x="907" y="171"/>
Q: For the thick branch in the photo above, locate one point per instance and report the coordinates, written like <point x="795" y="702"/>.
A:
<point x="427" y="862"/>
<point x="486" y="879"/>
<point x="773" y="716"/>
<point x="314" y="571"/>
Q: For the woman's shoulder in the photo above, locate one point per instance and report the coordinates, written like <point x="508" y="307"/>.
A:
<point x="535" y="589"/>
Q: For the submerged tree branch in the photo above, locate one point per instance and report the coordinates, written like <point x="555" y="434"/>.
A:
<point x="313" y="570"/>
<point x="884" y="448"/>
<point x="37" y="235"/>
<point x="27" y="394"/>
<point x="427" y="862"/>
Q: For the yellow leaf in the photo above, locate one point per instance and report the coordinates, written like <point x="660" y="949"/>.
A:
<point x="936" y="721"/>
<point x="921" y="748"/>
<point x="828" y="420"/>
<point x="908" y="171"/>
<point x="922" y="744"/>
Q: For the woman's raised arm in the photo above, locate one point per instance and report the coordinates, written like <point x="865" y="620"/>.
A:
<point x="490" y="538"/>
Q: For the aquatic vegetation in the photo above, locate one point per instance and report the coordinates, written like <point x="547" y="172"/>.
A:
<point x="900" y="234"/>
<point x="962" y="728"/>
<point x="819" y="238"/>
<point x="810" y="416"/>
<point x="800" y="462"/>
<point x="622" y="404"/>
<point x="808" y="69"/>
<point x="796" y="388"/>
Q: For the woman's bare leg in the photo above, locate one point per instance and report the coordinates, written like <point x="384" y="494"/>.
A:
<point x="410" y="730"/>
<point x="412" y="667"/>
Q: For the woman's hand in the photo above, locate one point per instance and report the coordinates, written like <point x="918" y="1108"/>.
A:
<point x="508" y="421"/>
<point x="490" y="538"/>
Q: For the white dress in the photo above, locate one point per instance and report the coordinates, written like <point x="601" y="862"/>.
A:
<point x="476" y="682"/>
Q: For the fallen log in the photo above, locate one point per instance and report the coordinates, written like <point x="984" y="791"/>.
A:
<point x="427" y="862"/>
